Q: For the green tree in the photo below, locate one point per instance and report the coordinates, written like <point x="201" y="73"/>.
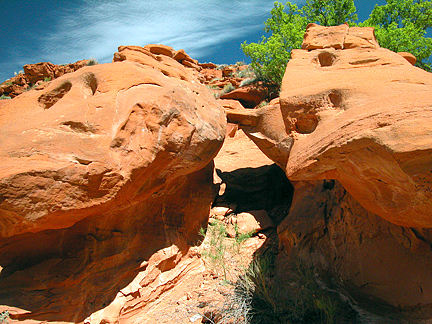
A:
<point x="271" y="54"/>
<point x="400" y="25"/>
<point x="330" y="12"/>
<point x="287" y="25"/>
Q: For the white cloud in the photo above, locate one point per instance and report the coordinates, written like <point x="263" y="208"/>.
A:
<point x="100" y="26"/>
<point x="96" y="28"/>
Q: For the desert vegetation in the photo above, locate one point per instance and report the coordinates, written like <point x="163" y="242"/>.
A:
<point x="257" y="294"/>
<point x="400" y="25"/>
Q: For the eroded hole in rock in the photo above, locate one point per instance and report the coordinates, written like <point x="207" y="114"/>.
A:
<point x="365" y="61"/>
<point x="326" y="59"/>
<point x="306" y="124"/>
<point x="79" y="127"/>
<point x="91" y="81"/>
<point x="335" y="98"/>
<point x="47" y="100"/>
<point x="263" y="188"/>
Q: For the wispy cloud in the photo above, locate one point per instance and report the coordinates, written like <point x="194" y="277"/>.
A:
<point x="96" y="28"/>
<point x="100" y="26"/>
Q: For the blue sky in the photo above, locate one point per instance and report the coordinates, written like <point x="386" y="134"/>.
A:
<point x="68" y="31"/>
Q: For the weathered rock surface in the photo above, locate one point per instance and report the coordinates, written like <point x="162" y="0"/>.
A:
<point x="40" y="71"/>
<point x="252" y="181"/>
<point x="161" y="62"/>
<point x="249" y="97"/>
<point x="99" y="170"/>
<point x="363" y="116"/>
<point x="329" y="229"/>
<point x="338" y="37"/>
<point x="265" y="127"/>
<point x="35" y="74"/>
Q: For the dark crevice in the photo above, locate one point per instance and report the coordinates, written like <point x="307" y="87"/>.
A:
<point x="47" y="100"/>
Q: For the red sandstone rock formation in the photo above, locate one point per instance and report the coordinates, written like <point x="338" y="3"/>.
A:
<point x="329" y="229"/>
<point x="35" y="74"/>
<point x="100" y="169"/>
<point x="359" y="114"/>
<point x="249" y="97"/>
<point x="362" y="116"/>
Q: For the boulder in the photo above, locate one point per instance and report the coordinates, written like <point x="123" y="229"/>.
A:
<point x="231" y="104"/>
<point x="40" y="71"/>
<point x="338" y="37"/>
<point x="181" y="55"/>
<point x="248" y="96"/>
<point x="228" y="71"/>
<point x="265" y="127"/>
<point x="318" y="37"/>
<point x="165" y="64"/>
<point x="253" y="221"/>
<point x="208" y="66"/>
<point x="159" y="49"/>
<point x="360" y="37"/>
<point x="363" y="117"/>
<point x="101" y="168"/>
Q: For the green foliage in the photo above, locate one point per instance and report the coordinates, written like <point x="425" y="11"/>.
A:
<point x="3" y="96"/>
<point x="245" y="73"/>
<point x="4" y="317"/>
<point x="400" y="25"/>
<point x="92" y="61"/>
<point x="217" y="247"/>
<point x="227" y="88"/>
<point x="271" y="54"/>
<point x="241" y="237"/>
<point x="8" y="83"/>
<point x="330" y="12"/>
<point x="47" y="79"/>
<point x="287" y="25"/>
<point x="258" y="299"/>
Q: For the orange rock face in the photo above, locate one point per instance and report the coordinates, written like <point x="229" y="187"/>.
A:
<point x="249" y="97"/>
<point x="363" y="116"/>
<point x="338" y="37"/>
<point x="329" y="229"/>
<point x="36" y="73"/>
<point x="265" y="127"/>
<point x="98" y="170"/>
<point x="353" y="131"/>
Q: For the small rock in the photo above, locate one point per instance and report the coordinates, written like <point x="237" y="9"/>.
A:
<point x="253" y="221"/>
<point x="195" y="318"/>
<point x="230" y="230"/>
<point x="222" y="189"/>
<point x="219" y="212"/>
